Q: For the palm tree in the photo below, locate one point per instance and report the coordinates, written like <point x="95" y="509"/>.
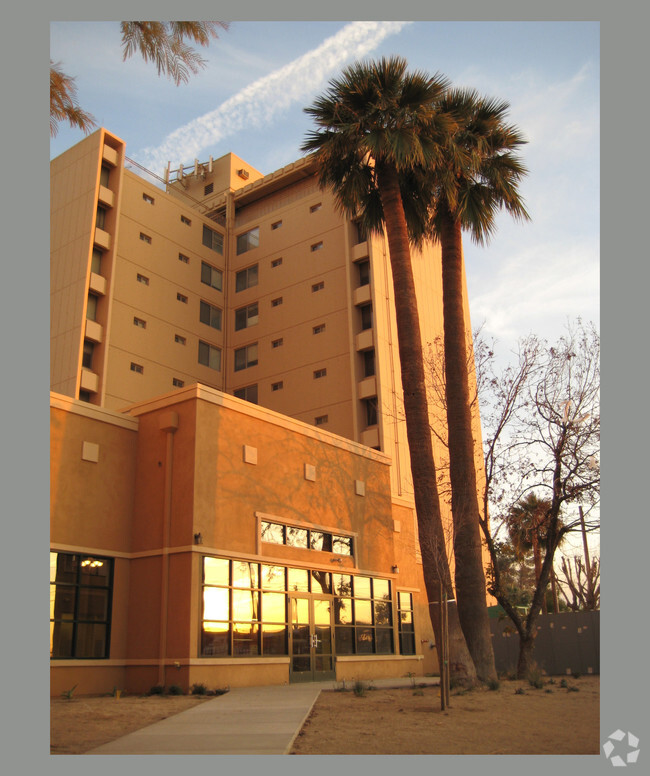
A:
<point x="163" y="43"/>
<point x="477" y="177"/>
<point x="371" y="131"/>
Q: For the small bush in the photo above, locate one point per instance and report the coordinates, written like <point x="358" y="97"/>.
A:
<point x="221" y="690"/>
<point x="576" y="674"/>
<point x="493" y="684"/>
<point x="418" y="692"/>
<point x="534" y="676"/>
<point x="67" y="694"/>
<point x="519" y="691"/>
<point x="573" y="689"/>
<point x="564" y="683"/>
<point x="174" y="689"/>
<point x="157" y="689"/>
<point x="360" y="688"/>
<point x="199" y="689"/>
<point x="548" y="690"/>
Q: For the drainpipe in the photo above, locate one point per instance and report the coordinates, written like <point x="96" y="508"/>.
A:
<point x="168" y="424"/>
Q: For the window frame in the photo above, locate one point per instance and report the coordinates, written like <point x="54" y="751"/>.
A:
<point x="210" y="350"/>
<point x="247" y="241"/>
<point x="213" y="314"/>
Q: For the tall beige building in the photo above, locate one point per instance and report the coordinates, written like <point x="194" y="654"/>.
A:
<point x="252" y="284"/>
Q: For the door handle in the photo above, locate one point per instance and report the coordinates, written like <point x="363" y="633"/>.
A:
<point x="314" y="640"/>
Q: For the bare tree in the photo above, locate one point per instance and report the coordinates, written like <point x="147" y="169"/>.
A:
<point x="580" y="587"/>
<point x="542" y="432"/>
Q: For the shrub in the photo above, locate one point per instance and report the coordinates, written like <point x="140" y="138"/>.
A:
<point x="519" y="691"/>
<point x="564" y="683"/>
<point x="534" y="676"/>
<point x="157" y="689"/>
<point x="493" y="684"/>
<point x="199" y="689"/>
<point x="174" y="689"/>
<point x="573" y="689"/>
<point x="359" y="688"/>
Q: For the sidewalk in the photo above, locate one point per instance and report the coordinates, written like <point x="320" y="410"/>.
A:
<point x="247" y="720"/>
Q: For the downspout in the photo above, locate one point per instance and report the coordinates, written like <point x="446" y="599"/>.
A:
<point x="168" y="424"/>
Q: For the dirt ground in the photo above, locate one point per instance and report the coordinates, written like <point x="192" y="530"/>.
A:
<point x="550" y="720"/>
<point x="80" y="724"/>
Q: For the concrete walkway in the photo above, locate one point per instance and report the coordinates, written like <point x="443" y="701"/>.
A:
<point x="246" y="720"/>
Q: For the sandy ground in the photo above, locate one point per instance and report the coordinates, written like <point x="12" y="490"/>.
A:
<point x="550" y="720"/>
<point x="80" y="724"/>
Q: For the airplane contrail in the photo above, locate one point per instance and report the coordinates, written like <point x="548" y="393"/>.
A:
<point x="259" y="102"/>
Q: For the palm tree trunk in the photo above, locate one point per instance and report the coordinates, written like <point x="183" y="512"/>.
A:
<point x="432" y="542"/>
<point x="469" y="572"/>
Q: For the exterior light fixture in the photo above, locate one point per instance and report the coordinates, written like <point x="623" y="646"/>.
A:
<point x="198" y="539"/>
<point x="395" y="569"/>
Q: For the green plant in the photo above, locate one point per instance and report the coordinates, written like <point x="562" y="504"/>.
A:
<point x="411" y="676"/>
<point x="174" y="689"/>
<point x="520" y="691"/>
<point x="551" y="681"/>
<point x="548" y="690"/>
<point x="418" y="692"/>
<point x="221" y="690"/>
<point x="573" y="689"/>
<point x="199" y="689"/>
<point x="359" y="688"/>
<point x="534" y="676"/>
<point x="67" y="694"/>
<point x="157" y="689"/>
<point x="576" y="674"/>
<point x="564" y="683"/>
<point x="493" y="684"/>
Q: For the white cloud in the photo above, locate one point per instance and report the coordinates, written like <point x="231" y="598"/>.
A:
<point x="259" y="102"/>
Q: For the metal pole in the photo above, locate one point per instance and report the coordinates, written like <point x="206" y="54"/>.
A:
<point x="447" y="688"/>
<point x="441" y="653"/>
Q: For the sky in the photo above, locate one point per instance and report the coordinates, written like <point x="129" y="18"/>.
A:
<point x="249" y="100"/>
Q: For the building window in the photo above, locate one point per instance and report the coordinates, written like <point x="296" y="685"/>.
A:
<point x="318" y="373"/>
<point x="185" y="220"/>
<point x="212" y="239"/>
<point x="104" y="176"/>
<point x="181" y="297"/>
<point x="368" y="362"/>
<point x="246" y="316"/>
<point x="359" y="233"/>
<point x="366" y="316"/>
<point x="248" y="240"/>
<point x="363" y="268"/>
<point x="277" y="386"/>
<point x="147" y="198"/>
<point x="81" y="589"/>
<point x="319" y="329"/>
<point x="315" y="208"/>
<point x="210" y="315"/>
<point x="137" y="368"/>
<point x="276" y="302"/>
<point x="100" y="221"/>
<point x="276" y="225"/>
<point x="405" y="623"/>
<point x="279" y="533"/>
<point x="246" y="278"/>
<point x="321" y="420"/>
<point x="142" y="279"/>
<point x="248" y="393"/>
<point x="209" y="356"/>
<point x="318" y="286"/>
<point x="185" y="259"/>
<point x="177" y="383"/>
<point x="277" y="343"/>
<point x="87" y="358"/>
<point x="91" y="308"/>
<point x="178" y="338"/>
<point x="276" y="262"/>
<point x="84" y="396"/>
<point x="317" y="246"/>
<point x="140" y="323"/>
<point x="208" y="189"/>
<point x="211" y="276"/>
<point x="145" y="238"/>
<point x="96" y="261"/>
<point x="245" y="357"/>
<point x="371" y="411"/>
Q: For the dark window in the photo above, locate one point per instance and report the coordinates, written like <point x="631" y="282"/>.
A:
<point x="177" y="383"/>
<point x="208" y="189"/>
<point x="91" y="309"/>
<point x="104" y="176"/>
<point x="101" y="217"/>
<point x="248" y="240"/>
<point x="245" y="357"/>
<point x="87" y="360"/>
<point x="210" y="315"/>
<point x="246" y="316"/>
<point x="366" y="316"/>
<point x="405" y="623"/>
<point x="249" y="393"/>
<point x="246" y="278"/>
<point x="80" y="605"/>
<point x="212" y="239"/>
<point x="209" y="356"/>
<point x="371" y="411"/>
<point x="211" y="276"/>
<point x="187" y="221"/>
<point x="368" y="363"/>
<point x="364" y="272"/>
<point x="96" y="262"/>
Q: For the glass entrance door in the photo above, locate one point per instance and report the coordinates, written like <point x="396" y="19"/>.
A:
<point x="310" y="638"/>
